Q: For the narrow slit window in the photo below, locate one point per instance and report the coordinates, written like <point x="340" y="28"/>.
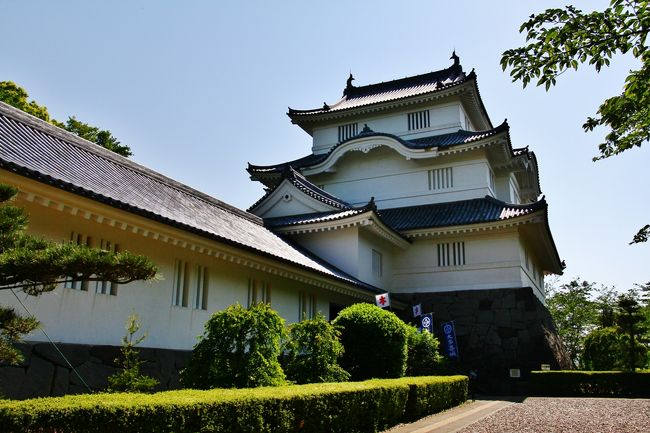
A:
<point x="441" y="178"/>
<point x="78" y="239"/>
<point x="180" y="291"/>
<point x="377" y="264"/>
<point x="419" y="120"/>
<point x="201" y="288"/>
<point x="451" y="254"/>
<point x="348" y="131"/>
<point x="107" y="287"/>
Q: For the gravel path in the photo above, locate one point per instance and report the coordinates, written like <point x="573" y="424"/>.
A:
<point x="568" y="415"/>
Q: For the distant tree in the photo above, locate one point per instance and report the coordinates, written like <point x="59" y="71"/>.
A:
<point x="631" y="322"/>
<point x="16" y="96"/>
<point x="423" y="357"/>
<point x="575" y="314"/>
<point x="562" y="39"/>
<point x="603" y="350"/>
<point x="36" y="265"/>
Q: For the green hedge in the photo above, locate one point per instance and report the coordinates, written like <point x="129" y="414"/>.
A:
<point x="368" y="406"/>
<point x="590" y="383"/>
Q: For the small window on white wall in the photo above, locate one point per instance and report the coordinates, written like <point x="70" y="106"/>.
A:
<point x="451" y="254"/>
<point x="107" y="287"/>
<point x="419" y="120"/>
<point x="306" y="305"/>
<point x="180" y="293"/>
<point x="259" y="292"/>
<point x="377" y="264"/>
<point x="348" y="131"/>
<point x="201" y="288"/>
<point x="78" y="239"/>
<point x="491" y="180"/>
<point x="441" y="178"/>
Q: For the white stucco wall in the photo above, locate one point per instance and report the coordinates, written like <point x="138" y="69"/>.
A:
<point x="86" y="317"/>
<point x="395" y="181"/>
<point x="338" y="247"/>
<point x="444" y="118"/>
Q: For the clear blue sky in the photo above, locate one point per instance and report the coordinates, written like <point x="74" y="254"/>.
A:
<point x="200" y="88"/>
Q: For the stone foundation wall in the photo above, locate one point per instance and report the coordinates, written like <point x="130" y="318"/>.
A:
<point x="497" y="330"/>
<point x="45" y="373"/>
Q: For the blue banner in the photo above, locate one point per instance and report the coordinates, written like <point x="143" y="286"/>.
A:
<point x="426" y="322"/>
<point x="450" y="339"/>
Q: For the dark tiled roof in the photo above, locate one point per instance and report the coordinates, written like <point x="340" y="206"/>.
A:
<point x="302" y="184"/>
<point x="36" y="149"/>
<point x="354" y="97"/>
<point x="475" y="211"/>
<point x="312" y="218"/>
<point x="442" y="141"/>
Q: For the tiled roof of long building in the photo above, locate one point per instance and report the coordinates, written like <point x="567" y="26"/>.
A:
<point x="474" y="211"/>
<point x="441" y="141"/>
<point x="38" y="150"/>
<point x="354" y="96"/>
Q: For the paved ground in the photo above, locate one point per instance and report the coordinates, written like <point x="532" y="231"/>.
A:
<point x="538" y="415"/>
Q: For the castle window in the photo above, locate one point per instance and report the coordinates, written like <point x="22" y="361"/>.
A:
<point x="306" y="305"/>
<point x="77" y="239"/>
<point x="451" y="254"/>
<point x="377" y="264"/>
<point x="180" y="291"/>
<point x="419" y="120"/>
<point x="441" y="178"/>
<point x="107" y="287"/>
<point x="348" y="131"/>
<point x="492" y="180"/>
<point x="201" y="288"/>
<point x="259" y="292"/>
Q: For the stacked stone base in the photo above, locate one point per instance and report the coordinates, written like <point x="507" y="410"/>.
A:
<point x="496" y="331"/>
<point x="44" y="372"/>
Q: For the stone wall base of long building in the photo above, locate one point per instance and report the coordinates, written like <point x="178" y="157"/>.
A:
<point x="44" y="372"/>
<point x="496" y="331"/>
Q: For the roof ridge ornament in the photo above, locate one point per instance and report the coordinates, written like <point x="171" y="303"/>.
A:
<point x="348" y="85"/>
<point x="455" y="58"/>
<point x="366" y="129"/>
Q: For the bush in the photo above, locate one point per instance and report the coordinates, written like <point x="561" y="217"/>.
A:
<point x="240" y="349"/>
<point x="590" y="383"/>
<point x="333" y="407"/>
<point x="603" y="350"/>
<point x="423" y="357"/>
<point x="374" y="341"/>
<point x="129" y="378"/>
<point x="312" y="352"/>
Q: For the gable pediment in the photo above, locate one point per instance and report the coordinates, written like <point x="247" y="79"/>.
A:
<point x="287" y="199"/>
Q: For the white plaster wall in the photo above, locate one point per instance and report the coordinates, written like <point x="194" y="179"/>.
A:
<point x="338" y="247"/>
<point x="444" y="118"/>
<point x="396" y="182"/>
<point x="492" y="261"/>
<point x="86" y="317"/>
<point x="368" y="242"/>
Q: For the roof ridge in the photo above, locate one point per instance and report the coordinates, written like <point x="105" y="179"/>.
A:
<point x="112" y="157"/>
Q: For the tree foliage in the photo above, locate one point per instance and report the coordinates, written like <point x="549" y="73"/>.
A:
<point x="423" y="357"/>
<point x="631" y="323"/>
<point x="312" y="351"/>
<point x="561" y="39"/>
<point x="129" y="378"/>
<point x="575" y="314"/>
<point x="36" y="265"/>
<point x="16" y="96"/>
<point x="603" y="348"/>
<point x="239" y="349"/>
<point x="374" y="341"/>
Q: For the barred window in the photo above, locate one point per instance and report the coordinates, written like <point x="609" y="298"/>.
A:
<point x="180" y="293"/>
<point x="451" y="254"/>
<point x="306" y="305"/>
<point x="419" y="120"/>
<point x="107" y="287"/>
<point x="348" y="131"/>
<point x="77" y="239"/>
<point x="377" y="264"/>
<point x="441" y="178"/>
<point x="259" y="292"/>
<point x="201" y="288"/>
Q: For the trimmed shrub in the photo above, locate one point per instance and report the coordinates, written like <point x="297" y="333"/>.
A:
<point x="374" y="341"/>
<point x="423" y="357"/>
<point x="590" y="383"/>
<point x="239" y="349"/>
<point x="333" y="407"/>
<point x="312" y="351"/>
